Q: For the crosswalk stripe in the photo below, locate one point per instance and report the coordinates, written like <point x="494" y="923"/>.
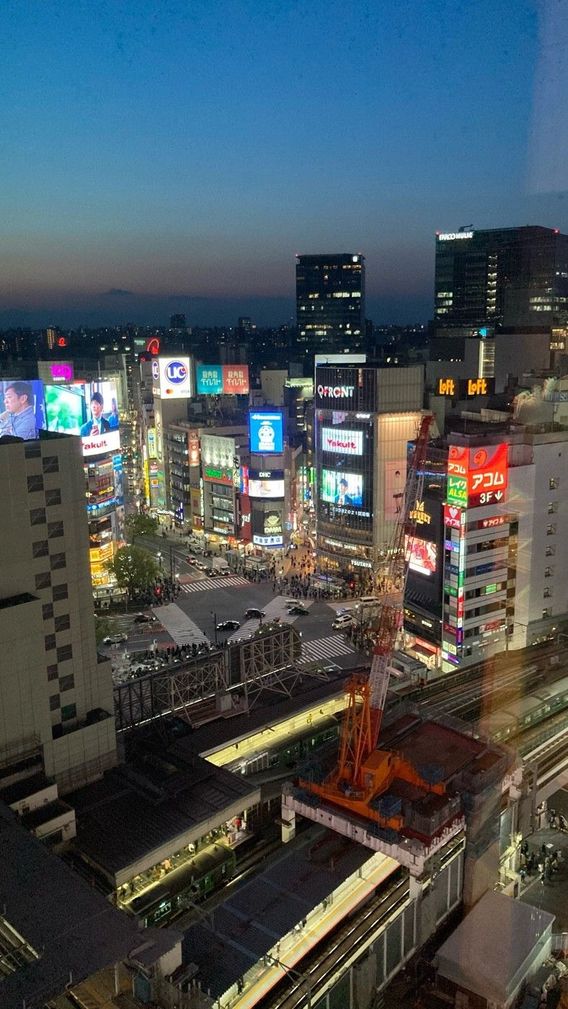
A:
<point x="213" y="583"/>
<point x="324" y="648"/>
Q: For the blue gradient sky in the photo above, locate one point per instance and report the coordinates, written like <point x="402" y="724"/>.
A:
<point x="174" y="156"/>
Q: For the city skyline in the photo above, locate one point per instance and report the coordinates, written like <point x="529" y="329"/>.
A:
<point x="177" y="160"/>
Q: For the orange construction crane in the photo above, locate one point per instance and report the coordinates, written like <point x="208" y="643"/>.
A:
<point x="362" y="772"/>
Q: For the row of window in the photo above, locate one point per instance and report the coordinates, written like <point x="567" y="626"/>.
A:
<point x="38" y="517"/>
<point x="41" y="549"/>
<point x="64" y="652"/>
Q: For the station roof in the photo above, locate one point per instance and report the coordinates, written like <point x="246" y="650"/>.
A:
<point x="62" y="928"/>
<point x="146" y="809"/>
<point x="259" y="913"/>
<point x="487" y="952"/>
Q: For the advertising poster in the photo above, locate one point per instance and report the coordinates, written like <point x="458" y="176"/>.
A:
<point x="171" y="377"/>
<point x="266" y="488"/>
<point x="395" y="480"/>
<point x="87" y="409"/>
<point x="422" y="555"/>
<point x="342" y="488"/>
<point x="22" y="408"/>
<point x="209" y="379"/>
<point x="266" y="431"/>
<point x="268" y="528"/>
<point x="236" y="379"/>
<point x="341" y="441"/>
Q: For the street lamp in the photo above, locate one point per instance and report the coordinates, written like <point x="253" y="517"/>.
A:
<point x="159" y="556"/>
<point x="214" y="615"/>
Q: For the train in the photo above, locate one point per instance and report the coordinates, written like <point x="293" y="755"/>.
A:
<point x="189" y="884"/>
<point x="288" y="754"/>
<point x="512" y="719"/>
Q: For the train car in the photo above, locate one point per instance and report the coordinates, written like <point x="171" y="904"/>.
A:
<point x="536" y="707"/>
<point x="190" y="883"/>
<point x="285" y="756"/>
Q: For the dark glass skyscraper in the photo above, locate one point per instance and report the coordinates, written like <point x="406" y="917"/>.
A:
<point x="330" y="301"/>
<point x="515" y="278"/>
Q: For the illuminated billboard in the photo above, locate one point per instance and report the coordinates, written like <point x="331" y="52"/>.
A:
<point x="341" y="441"/>
<point x="22" y="408"/>
<point x="477" y="476"/>
<point x="222" y="379"/>
<point x="171" y="377"/>
<point x="266" y="428"/>
<point x="87" y="409"/>
<point x="267" y="528"/>
<point x="341" y="488"/>
<point x="266" y="488"/>
<point x="422" y="555"/>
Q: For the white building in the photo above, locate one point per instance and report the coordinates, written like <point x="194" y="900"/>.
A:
<point x="56" y="700"/>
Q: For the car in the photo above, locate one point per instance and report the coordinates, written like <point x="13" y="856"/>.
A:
<point x="115" y="639"/>
<point x="290" y="602"/>
<point x="298" y="610"/>
<point x="341" y="610"/>
<point x="200" y="566"/>
<point x="191" y="559"/>
<point x="346" y="620"/>
<point x="228" y="625"/>
<point x="144" y="618"/>
<point x="254" y="614"/>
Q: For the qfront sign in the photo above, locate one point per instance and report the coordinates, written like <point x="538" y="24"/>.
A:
<point x="336" y="391"/>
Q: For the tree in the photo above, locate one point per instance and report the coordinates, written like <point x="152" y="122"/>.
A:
<point x="103" y="628"/>
<point x="134" y="569"/>
<point x="141" y="525"/>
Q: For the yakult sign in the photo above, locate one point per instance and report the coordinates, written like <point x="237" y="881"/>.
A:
<point x="336" y="391"/>
<point x="341" y="441"/>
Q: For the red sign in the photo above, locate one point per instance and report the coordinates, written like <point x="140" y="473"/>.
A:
<point x="236" y="379"/>
<point x="245" y="531"/>
<point x="496" y="520"/>
<point x="193" y="447"/>
<point x="485" y="469"/>
<point x="453" y="517"/>
<point x="153" y="345"/>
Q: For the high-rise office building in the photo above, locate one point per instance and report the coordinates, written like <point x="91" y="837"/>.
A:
<point x="330" y="301"/>
<point x="514" y="278"/>
<point x="56" y="700"/>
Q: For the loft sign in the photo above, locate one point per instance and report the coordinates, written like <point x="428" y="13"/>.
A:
<point x="336" y="391"/>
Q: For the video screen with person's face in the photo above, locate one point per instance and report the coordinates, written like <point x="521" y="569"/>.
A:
<point x="22" y="408"/>
<point x="89" y="410"/>
<point x="342" y="489"/>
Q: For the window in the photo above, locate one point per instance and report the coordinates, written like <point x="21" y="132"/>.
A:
<point x="60" y="592"/>
<point x="32" y="450"/>
<point x="547" y="594"/>
<point x="35" y="483"/>
<point x="69" y="711"/>
<point x="47" y="611"/>
<point x="43" y="581"/>
<point x="548" y="572"/>
<point x="66" y="683"/>
<point x="551" y="529"/>
<point x="552" y="507"/>
<point x="52" y="672"/>
<point x="546" y="613"/>
<point x="553" y="483"/>
<point x="57" y="561"/>
<point x="40" y="548"/>
<point x="54" y="529"/>
<point x="37" y="516"/>
<point x="62" y="623"/>
<point x="49" y="641"/>
<point x="550" y="550"/>
<point x="54" y="702"/>
<point x="53" y="497"/>
<point x="50" y="464"/>
<point x="65" y="652"/>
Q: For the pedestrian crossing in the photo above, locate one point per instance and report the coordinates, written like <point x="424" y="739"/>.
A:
<point x="214" y="583"/>
<point x="325" y="648"/>
<point x="179" y="626"/>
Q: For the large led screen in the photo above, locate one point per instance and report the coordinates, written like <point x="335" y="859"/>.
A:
<point x="89" y="410"/>
<point x="422" y="555"/>
<point x="266" y="488"/>
<point x="266" y="431"/>
<point x="341" y="488"/>
<point x="22" y="410"/>
<point x="341" y="441"/>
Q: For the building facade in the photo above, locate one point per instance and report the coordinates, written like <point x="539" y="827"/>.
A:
<point x="364" y="418"/>
<point x="330" y="301"/>
<point x="503" y="277"/>
<point x="56" y="699"/>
